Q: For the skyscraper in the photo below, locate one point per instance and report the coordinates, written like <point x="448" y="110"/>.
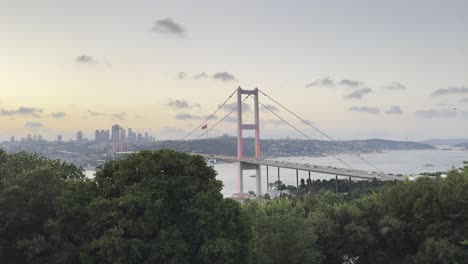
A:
<point x="59" y="138"/>
<point x="115" y="136"/>
<point x="122" y="134"/>
<point x="79" y="136"/>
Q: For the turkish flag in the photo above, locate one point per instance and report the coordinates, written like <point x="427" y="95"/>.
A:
<point x="205" y="126"/>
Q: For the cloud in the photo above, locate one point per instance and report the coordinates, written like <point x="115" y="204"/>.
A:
<point x="93" y="113"/>
<point x="187" y="116"/>
<point x="22" y="111"/>
<point x="350" y="83"/>
<point x="58" y="114"/>
<point x="85" y="59"/>
<point x="171" y="130"/>
<point x="245" y="107"/>
<point x="231" y="119"/>
<point x="365" y="109"/>
<point x="181" y="104"/>
<point x="182" y="75"/>
<point x="168" y="26"/>
<point x="394" y="110"/>
<point x="224" y="76"/>
<point x="322" y="82"/>
<point x="395" y="86"/>
<point x="436" y="113"/>
<point x="450" y="91"/>
<point x="358" y="94"/>
<point x="202" y="75"/>
<point x="271" y="107"/>
<point x="30" y="124"/>
<point x="120" y="116"/>
<point x="273" y="122"/>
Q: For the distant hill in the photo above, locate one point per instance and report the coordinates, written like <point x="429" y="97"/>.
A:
<point x="446" y="142"/>
<point x="227" y="145"/>
<point x="461" y="145"/>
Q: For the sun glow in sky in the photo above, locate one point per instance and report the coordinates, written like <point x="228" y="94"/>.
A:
<point x="357" y="69"/>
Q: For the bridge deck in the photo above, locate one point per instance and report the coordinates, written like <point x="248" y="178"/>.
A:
<point x="312" y="168"/>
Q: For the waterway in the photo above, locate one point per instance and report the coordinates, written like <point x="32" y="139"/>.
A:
<point x="396" y="162"/>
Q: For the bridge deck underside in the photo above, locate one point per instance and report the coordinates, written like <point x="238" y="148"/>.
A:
<point x="312" y="168"/>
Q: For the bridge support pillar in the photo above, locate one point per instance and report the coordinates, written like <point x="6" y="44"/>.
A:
<point x="279" y="179"/>
<point x="297" y="179"/>
<point x="240" y="175"/>
<point x="259" y="180"/>
<point x="268" y="180"/>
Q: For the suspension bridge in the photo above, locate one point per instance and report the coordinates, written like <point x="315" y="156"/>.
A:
<point x="255" y="163"/>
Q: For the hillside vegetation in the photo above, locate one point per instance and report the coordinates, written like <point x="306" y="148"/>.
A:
<point x="166" y="207"/>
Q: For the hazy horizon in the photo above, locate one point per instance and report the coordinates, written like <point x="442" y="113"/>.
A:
<point x="368" y="69"/>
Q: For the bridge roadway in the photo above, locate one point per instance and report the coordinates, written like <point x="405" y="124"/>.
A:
<point x="312" y="168"/>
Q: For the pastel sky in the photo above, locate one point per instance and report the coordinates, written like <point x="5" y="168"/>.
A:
<point x="356" y="69"/>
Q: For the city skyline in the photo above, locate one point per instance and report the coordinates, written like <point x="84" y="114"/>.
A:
<point x="367" y="69"/>
<point x="98" y="135"/>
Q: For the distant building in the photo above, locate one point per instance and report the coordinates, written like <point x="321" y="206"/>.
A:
<point x="29" y="138"/>
<point x="39" y="138"/>
<point x="132" y="136"/>
<point x="12" y="139"/>
<point x="140" y="138"/>
<point x="122" y="134"/>
<point x="79" y="136"/>
<point x="146" y="136"/>
<point x="35" y="138"/>
<point x="115" y="136"/>
<point x="102" y="136"/>
<point x="59" y="138"/>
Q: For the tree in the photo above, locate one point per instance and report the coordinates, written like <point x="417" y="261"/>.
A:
<point x="163" y="207"/>
<point x="29" y="198"/>
<point x="280" y="233"/>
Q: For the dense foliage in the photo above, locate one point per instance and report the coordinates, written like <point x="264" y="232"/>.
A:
<point x="166" y="207"/>
<point x="423" y="221"/>
<point x="152" y="207"/>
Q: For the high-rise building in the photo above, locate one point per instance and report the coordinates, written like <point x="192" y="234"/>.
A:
<point x="79" y="136"/>
<point x="39" y="138"/>
<point x="122" y="135"/>
<point x="35" y="138"/>
<point x="146" y="136"/>
<point x="12" y="139"/>
<point x="29" y="138"/>
<point x="131" y="137"/>
<point x="102" y="136"/>
<point x="59" y="138"/>
<point x="140" y="137"/>
<point x="115" y="136"/>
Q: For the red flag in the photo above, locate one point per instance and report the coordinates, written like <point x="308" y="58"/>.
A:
<point x="205" y="126"/>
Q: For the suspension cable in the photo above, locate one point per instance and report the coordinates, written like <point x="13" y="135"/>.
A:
<point x="210" y="116"/>
<point x="315" y="128"/>
<point x="221" y="120"/>
<point x="295" y="128"/>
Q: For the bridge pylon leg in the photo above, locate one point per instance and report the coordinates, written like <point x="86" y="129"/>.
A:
<point x="240" y="142"/>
